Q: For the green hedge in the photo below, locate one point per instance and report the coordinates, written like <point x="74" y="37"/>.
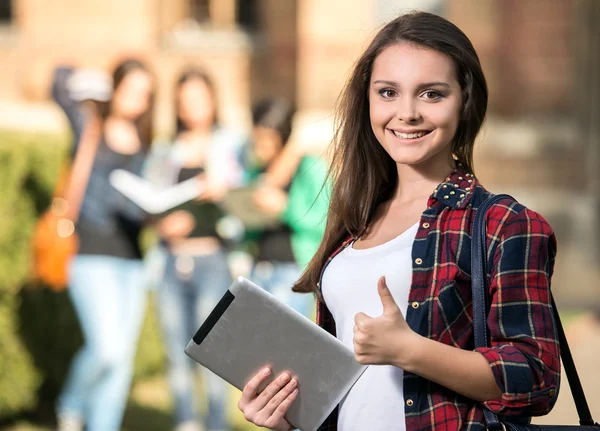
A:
<point x="39" y="332"/>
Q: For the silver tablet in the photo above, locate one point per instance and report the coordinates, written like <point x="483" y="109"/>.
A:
<point x="249" y="329"/>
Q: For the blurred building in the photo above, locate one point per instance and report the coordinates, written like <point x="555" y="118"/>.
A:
<point x="540" y="57"/>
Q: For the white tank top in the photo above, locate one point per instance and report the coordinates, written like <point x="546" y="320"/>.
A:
<point x="376" y="401"/>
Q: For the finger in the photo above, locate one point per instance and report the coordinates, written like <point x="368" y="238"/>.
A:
<point x="251" y="389"/>
<point x="387" y="300"/>
<point x="362" y="359"/>
<point x="271" y="407"/>
<point x="360" y="338"/>
<point x="270" y="391"/>
<point x="361" y="320"/>
<point x="282" y="409"/>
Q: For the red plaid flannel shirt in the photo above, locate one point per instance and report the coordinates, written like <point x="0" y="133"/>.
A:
<point x="524" y="356"/>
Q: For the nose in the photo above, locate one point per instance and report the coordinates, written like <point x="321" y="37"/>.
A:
<point x="407" y="110"/>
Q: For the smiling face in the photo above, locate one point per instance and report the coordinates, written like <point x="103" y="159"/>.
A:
<point x="414" y="104"/>
<point x="196" y="105"/>
<point x="131" y="98"/>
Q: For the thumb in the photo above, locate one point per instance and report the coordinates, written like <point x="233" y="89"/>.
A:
<point x="387" y="300"/>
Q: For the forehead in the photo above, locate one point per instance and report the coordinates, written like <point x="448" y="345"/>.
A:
<point x="194" y="86"/>
<point x="138" y="78"/>
<point x="410" y="64"/>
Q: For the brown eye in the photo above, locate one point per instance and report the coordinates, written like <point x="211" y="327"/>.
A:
<point x="432" y="95"/>
<point x="387" y="93"/>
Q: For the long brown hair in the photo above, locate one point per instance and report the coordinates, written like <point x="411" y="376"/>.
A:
<point x="144" y="124"/>
<point x="363" y="174"/>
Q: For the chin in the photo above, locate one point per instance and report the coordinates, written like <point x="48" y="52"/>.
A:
<point x="415" y="160"/>
<point x="404" y="157"/>
<point x="416" y="156"/>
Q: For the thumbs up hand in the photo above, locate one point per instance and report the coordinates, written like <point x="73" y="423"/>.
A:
<point x="383" y="340"/>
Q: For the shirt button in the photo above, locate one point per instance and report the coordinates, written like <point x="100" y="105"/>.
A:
<point x="418" y="261"/>
<point x="409" y="402"/>
<point x="552" y="393"/>
<point x="425" y="225"/>
<point x="415" y="305"/>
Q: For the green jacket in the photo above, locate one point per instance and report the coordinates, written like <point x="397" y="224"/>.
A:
<point x="306" y="211"/>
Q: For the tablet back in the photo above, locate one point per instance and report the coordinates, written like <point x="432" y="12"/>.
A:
<point x="249" y="329"/>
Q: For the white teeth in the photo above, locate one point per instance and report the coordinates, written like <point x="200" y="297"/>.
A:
<point x="409" y="135"/>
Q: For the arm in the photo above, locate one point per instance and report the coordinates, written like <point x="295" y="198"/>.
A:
<point x="311" y="135"/>
<point x="280" y="172"/>
<point x="71" y="108"/>
<point x="525" y="356"/>
<point x="463" y="371"/>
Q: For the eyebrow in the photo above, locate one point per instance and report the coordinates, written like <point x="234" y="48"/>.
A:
<point x="421" y="86"/>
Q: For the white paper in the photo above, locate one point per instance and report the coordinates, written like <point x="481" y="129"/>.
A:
<point x="153" y="199"/>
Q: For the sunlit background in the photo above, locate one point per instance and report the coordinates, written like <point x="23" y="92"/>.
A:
<point x="540" y="142"/>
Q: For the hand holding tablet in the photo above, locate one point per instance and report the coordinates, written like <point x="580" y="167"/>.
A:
<point x="250" y="330"/>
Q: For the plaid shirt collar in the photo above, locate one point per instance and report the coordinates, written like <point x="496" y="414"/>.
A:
<point x="456" y="191"/>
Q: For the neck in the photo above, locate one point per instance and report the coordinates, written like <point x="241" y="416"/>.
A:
<point x="417" y="181"/>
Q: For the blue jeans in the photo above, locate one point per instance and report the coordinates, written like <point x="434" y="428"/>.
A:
<point x="278" y="278"/>
<point x="109" y="298"/>
<point x="191" y="288"/>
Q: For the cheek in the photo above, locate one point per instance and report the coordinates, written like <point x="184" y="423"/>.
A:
<point x="133" y="103"/>
<point x="380" y="116"/>
<point x="143" y="103"/>
<point x="202" y="110"/>
<point x="265" y="150"/>
<point x="444" y="118"/>
<point x="121" y="102"/>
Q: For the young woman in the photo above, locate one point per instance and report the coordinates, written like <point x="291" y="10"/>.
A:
<point x="196" y="273"/>
<point x="282" y="252"/>
<point x="393" y="271"/>
<point x="105" y="278"/>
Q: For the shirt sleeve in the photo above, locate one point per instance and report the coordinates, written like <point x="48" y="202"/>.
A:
<point x="524" y="355"/>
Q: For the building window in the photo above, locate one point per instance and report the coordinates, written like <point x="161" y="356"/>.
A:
<point x="6" y="12"/>
<point x="247" y="14"/>
<point x="225" y="13"/>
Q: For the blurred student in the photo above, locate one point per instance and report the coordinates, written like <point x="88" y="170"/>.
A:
<point x="196" y="272"/>
<point x="105" y="278"/>
<point x="300" y="201"/>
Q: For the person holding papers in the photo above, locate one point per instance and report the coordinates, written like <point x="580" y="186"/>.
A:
<point x="393" y="272"/>
<point x="105" y="282"/>
<point x="196" y="272"/>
